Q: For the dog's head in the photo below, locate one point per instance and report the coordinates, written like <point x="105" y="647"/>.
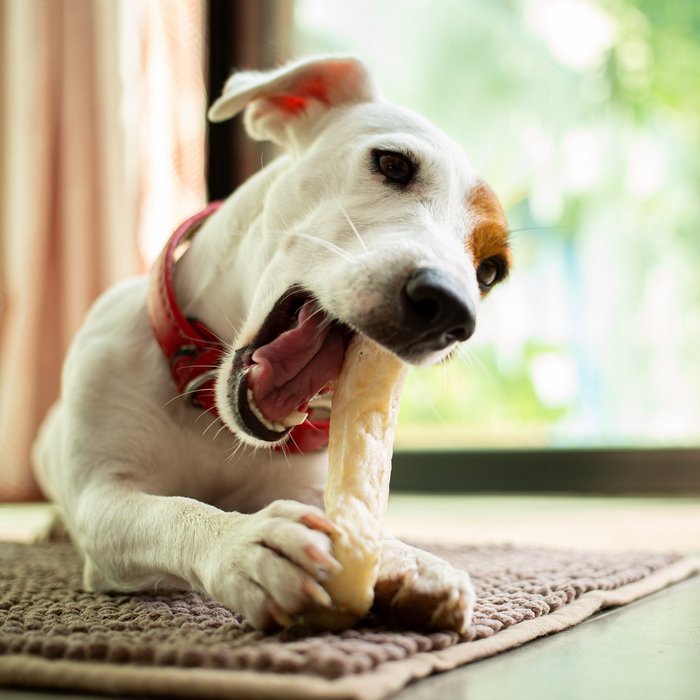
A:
<point x="376" y="223"/>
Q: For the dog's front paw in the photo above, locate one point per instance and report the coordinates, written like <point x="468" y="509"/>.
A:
<point x="418" y="589"/>
<point x="270" y="565"/>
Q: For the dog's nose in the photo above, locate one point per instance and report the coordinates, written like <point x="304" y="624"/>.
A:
<point x="433" y="311"/>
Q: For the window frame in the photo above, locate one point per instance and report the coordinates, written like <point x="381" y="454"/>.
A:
<point x="673" y="471"/>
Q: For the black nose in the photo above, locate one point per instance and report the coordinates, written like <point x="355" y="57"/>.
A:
<point x="435" y="312"/>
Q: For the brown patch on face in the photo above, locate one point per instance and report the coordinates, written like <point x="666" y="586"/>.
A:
<point x="488" y="235"/>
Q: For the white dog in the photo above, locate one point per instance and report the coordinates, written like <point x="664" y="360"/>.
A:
<point x="181" y="453"/>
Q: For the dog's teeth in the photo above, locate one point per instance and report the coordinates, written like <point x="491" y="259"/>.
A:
<point x="293" y="418"/>
<point x="270" y="425"/>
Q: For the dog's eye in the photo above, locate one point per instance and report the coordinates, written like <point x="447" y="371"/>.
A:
<point x="394" y="166"/>
<point x="489" y="272"/>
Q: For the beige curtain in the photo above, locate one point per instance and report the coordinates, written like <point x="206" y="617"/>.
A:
<point x="102" y="149"/>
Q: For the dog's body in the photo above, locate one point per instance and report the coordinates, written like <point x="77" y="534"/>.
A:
<point x="369" y="198"/>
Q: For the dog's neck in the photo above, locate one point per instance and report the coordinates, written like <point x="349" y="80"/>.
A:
<point x="216" y="278"/>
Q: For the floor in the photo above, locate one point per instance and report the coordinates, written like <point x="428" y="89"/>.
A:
<point x="649" y="650"/>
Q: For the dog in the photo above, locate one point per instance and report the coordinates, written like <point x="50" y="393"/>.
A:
<point x="187" y="447"/>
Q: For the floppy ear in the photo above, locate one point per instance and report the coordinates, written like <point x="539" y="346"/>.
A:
<point x="284" y="105"/>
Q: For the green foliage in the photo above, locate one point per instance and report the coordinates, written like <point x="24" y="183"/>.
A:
<point x="585" y="117"/>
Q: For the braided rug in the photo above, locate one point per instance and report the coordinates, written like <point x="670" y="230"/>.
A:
<point x="55" y="634"/>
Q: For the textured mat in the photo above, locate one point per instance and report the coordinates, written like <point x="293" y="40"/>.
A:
<point x="54" y="634"/>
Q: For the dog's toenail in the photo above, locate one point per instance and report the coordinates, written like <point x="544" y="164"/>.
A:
<point x="318" y="522"/>
<point x="410" y="577"/>
<point x="453" y="599"/>
<point x="316" y="593"/>
<point x="319" y="557"/>
<point x="315" y="554"/>
<point x="278" y="614"/>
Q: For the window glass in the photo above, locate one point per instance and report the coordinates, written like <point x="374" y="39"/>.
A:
<point x="584" y="116"/>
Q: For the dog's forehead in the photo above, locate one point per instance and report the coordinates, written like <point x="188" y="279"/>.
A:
<point x="386" y="120"/>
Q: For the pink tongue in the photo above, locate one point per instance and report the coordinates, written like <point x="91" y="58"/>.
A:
<point x="296" y="365"/>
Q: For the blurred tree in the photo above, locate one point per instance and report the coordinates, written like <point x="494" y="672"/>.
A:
<point x="585" y="116"/>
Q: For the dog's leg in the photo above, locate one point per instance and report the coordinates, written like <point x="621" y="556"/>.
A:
<point x="416" y="588"/>
<point x="267" y="565"/>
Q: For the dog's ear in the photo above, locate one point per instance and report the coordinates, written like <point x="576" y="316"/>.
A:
<point x="284" y="105"/>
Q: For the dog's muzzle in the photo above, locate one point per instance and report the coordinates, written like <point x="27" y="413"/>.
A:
<point x="430" y="312"/>
<point x="298" y="352"/>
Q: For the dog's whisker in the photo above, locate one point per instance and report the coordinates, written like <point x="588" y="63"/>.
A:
<point x="223" y="427"/>
<point x="320" y="241"/>
<point x="288" y="295"/>
<point x="466" y="355"/>
<point x="206" y="430"/>
<point x="211" y="410"/>
<point x="232" y="452"/>
<point x="225" y="343"/>
<point x="312" y="427"/>
<point x="284" y="452"/>
<point x="203" y="413"/>
<point x="425" y="395"/>
<point x="230" y="323"/>
<point x="326" y="244"/>
<point x="463" y="356"/>
<point x="446" y="374"/>
<point x="183" y="395"/>
<point x="326" y="319"/>
<point x="199" y="339"/>
<point x="352" y="225"/>
<point x="281" y="216"/>
<point x="522" y="229"/>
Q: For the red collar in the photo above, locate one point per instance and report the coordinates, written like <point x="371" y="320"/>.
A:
<point x="192" y="350"/>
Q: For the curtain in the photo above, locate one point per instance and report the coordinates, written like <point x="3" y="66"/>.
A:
<point x="102" y="141"/>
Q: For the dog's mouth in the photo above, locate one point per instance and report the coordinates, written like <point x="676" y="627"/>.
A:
<point x="294" y="358"/>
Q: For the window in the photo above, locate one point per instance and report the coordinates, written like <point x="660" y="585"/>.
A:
<point x="581" y="115"/>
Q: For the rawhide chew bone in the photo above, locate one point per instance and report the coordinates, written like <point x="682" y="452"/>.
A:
<point x="363" y="418"/>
